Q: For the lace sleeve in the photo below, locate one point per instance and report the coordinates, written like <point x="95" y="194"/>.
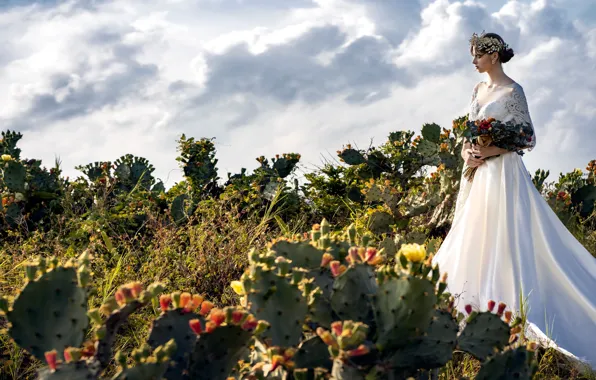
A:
<point x="473" y="112"/>
<point x="517" y="107"/>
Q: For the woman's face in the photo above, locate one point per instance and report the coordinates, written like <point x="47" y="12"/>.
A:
<point x="482" y="61"/>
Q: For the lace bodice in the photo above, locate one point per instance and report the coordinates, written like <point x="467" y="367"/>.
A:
<point x="508" y="106"/>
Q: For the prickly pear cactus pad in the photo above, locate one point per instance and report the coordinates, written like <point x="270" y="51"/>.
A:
<point x="404" y="308"/>
<point x="351" y="156"/>
<point x="380" y="222"/>
<point x="14" y="174"/>
<point x="344" y="371"/>
<point x="216" y="353"/>
<point x="144" y="371"/>
<point x="66" y="371"/>
<point x="174" y="324"/>
<point x="302" y="254"/>
<point x="146" y="365"/>
<point x="483" y="333"/>
<point x="431" y="132"/>
<point x="313" y="353"/>
<point x="273" y="298"/>
<point x="352" y="293"/>
<point x="512" y="364"/>
<point x="50" y="313"/>
<point x="434" y="349"/>
<point x="112" y="324"/>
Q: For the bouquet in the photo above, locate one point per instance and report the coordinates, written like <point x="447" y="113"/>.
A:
<point x="510" y="136"/>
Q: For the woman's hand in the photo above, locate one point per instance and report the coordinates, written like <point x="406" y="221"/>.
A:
<point x="484" y="152"/>
<point x="470" y="160"/>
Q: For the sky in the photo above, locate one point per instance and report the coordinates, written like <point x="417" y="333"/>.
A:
<point x="92" y="80"/>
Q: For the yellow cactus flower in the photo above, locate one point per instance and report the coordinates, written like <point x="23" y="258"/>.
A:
<point x="413" y="252"/>
<point x="238" y="287"/>
<point x="6" y="157"/>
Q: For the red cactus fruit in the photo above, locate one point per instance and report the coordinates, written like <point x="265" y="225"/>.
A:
<point x="165" y="300"/>
<point x="184" y="299"/>
<point x="327" y="257"/>
<point x="501" y="308"/>
<point x="136" y="289"/>
<point x="217" y="316"/>
<point x="206" y="307"/>
<point x="119" y="295"/>
<point x="337" y="327"/>
<point x="334" y="266"/>
<point x="361" y="350"/>
<point x="67" y="357"/>
<point x="51" y="359"/>
<point x="276" y="361"/>
<point x="250" y="323"/>
<point x="210" y="326"/>
<point x="237" y="316"/>
<point x="468" y="309"/>
<point x="195" y="325"/>
<point x="508" y="315"/>
<point x="491" y="305"/>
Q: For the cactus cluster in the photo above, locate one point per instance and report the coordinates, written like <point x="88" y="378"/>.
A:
<point x="325" y="305"/>
<point x="198" y="161"/>
<point x="374" y="318"/>
<point x="573" y="192"/>
<point x="29" y="193"/>
<point x="190" y="339"/>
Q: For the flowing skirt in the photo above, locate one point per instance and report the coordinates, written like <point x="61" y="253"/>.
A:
<point x="506" y="242"/>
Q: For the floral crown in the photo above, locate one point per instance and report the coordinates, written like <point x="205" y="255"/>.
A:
<point x="487" y="44"/>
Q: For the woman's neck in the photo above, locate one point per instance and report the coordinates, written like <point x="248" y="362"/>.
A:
<point x="497" y="76"/>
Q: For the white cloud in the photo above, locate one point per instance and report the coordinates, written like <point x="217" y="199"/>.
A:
<point x="93" y="80"/>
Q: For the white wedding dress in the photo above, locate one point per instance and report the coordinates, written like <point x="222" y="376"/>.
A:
<point x="505" y="241"/>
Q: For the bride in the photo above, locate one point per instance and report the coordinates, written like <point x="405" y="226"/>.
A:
<point x="505" y="241"/>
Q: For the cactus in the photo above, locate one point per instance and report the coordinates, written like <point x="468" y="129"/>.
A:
<point x="132" y="171"/>
<point x="285" y="165"/>
<point x="143" y="371"/>
<point x="351" y="315"/>
<point x="432" y="350"/>
<point x="67" y="371"/>
<point x="198" y="162"/>
<point x="174" y="324"/>
<point x="388" y="246"/>
<point x="352" y="156"/>
<point x="313" y="353"/>
<point x="484" y="332"/>
<point x="404" y="309"/>
<point x="274" y="298"/>
<point x="216" y="353"/>
<point x="586" y="197"/>
<point x="13" y="215"/>
<point x="181" y="208"/>
<point x="13" y="174"/>
<point x="539" y="177"/>
<point x="449" y="160"/>
<point x="341" y="371"/>
<point x="8" y="144"/>
<point x="96" y="170"/>
<point x="147" y="365"/>
<point x="511" y="364"/>
<point x="429" y="152"/>
<point x="431" y="132"/>
<point x="380" y="222"/>
<point x="50" y="312"/>
<point x="301" y="254"/>
<point x="352" y="293"/>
